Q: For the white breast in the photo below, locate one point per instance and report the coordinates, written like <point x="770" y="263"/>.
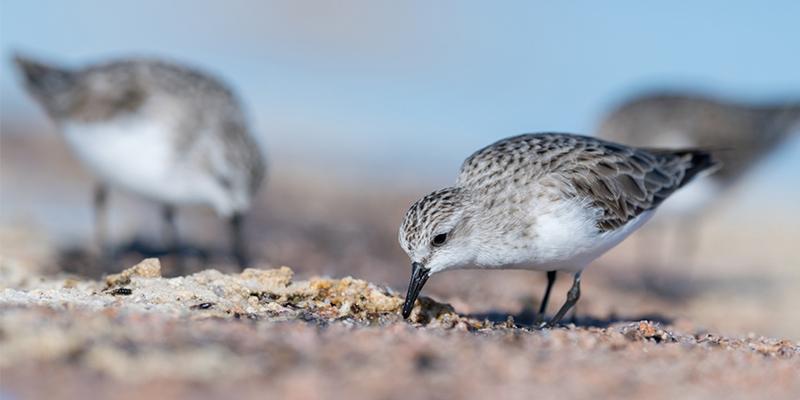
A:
<point x="139" y="154"/>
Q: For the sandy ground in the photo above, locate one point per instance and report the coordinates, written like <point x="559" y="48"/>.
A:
<point x="650" y="324"/>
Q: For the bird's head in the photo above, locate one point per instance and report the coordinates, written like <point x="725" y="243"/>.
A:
<point x="437" y="234"/>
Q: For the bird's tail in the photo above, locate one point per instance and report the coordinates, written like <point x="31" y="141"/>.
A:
<point x="43" y="79"/>
<point x="697" y="162"/>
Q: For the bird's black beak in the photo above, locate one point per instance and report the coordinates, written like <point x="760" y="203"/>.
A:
<point x="419" y="275"/>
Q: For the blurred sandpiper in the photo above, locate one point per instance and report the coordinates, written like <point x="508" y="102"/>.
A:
<point x="745" y="133"/>
<point x="160" y="129"/>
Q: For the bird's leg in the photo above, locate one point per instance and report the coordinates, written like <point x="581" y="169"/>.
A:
<point x="239" y="250"/>
<point x="650" y="240"/>
<point x="172" y="240"/>
<point x="551" y="279"/>
<point x="572" y="297"/>
<point x="689" y="235"/>
<point x="101" y="222"/>
<point x="171" y="229"/>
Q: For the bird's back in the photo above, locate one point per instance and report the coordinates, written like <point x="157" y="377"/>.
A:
<point x="621" y="182"/>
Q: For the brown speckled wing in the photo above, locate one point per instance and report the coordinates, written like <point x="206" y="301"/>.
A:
<point x="621" y="182"/>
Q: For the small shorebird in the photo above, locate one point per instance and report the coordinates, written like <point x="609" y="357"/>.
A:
<point x="159" y="129"/>
<point x="746" y="134"/>
<point x="542" y="202"/>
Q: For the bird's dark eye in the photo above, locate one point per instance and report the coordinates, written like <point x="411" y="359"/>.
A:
<point x="439" y="239"/>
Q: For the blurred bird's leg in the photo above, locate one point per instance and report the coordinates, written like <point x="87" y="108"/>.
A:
<point x="101" y="223"/>
<point x="687" y="243"/>
<point x="572" y="297"/>
<point x="671" y="244"/>
<point x="171" y="230"/>
<point x="652" y="240"/>
<point x="239" y="248"/>
<point x="172" y="240"/>
<point x="551" y="279"/>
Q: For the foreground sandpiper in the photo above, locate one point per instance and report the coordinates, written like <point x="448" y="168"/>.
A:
<point x="155" y="128"/>
<point x="542" y="202"/>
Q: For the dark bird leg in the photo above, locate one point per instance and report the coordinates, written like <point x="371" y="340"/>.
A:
<point x="572" y="297"/>
<point x="101" y="225"/>
<point x="239" y="250"/>
<point x="551" y="279"/>
<point x="171" y="230"/>
<point x="172" y="240"/>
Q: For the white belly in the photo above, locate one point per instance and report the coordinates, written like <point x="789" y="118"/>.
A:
<point x="565" y="240"/>
<point x="137" y="154"/>
<point x="578" y="248"/>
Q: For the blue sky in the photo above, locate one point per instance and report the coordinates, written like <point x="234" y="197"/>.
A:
<point x="412" y="88"/>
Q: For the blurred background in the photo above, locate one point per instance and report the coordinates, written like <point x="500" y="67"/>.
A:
<point x="363" y="107"/>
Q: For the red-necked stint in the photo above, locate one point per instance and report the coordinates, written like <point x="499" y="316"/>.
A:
<point x="541" y="202"/>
